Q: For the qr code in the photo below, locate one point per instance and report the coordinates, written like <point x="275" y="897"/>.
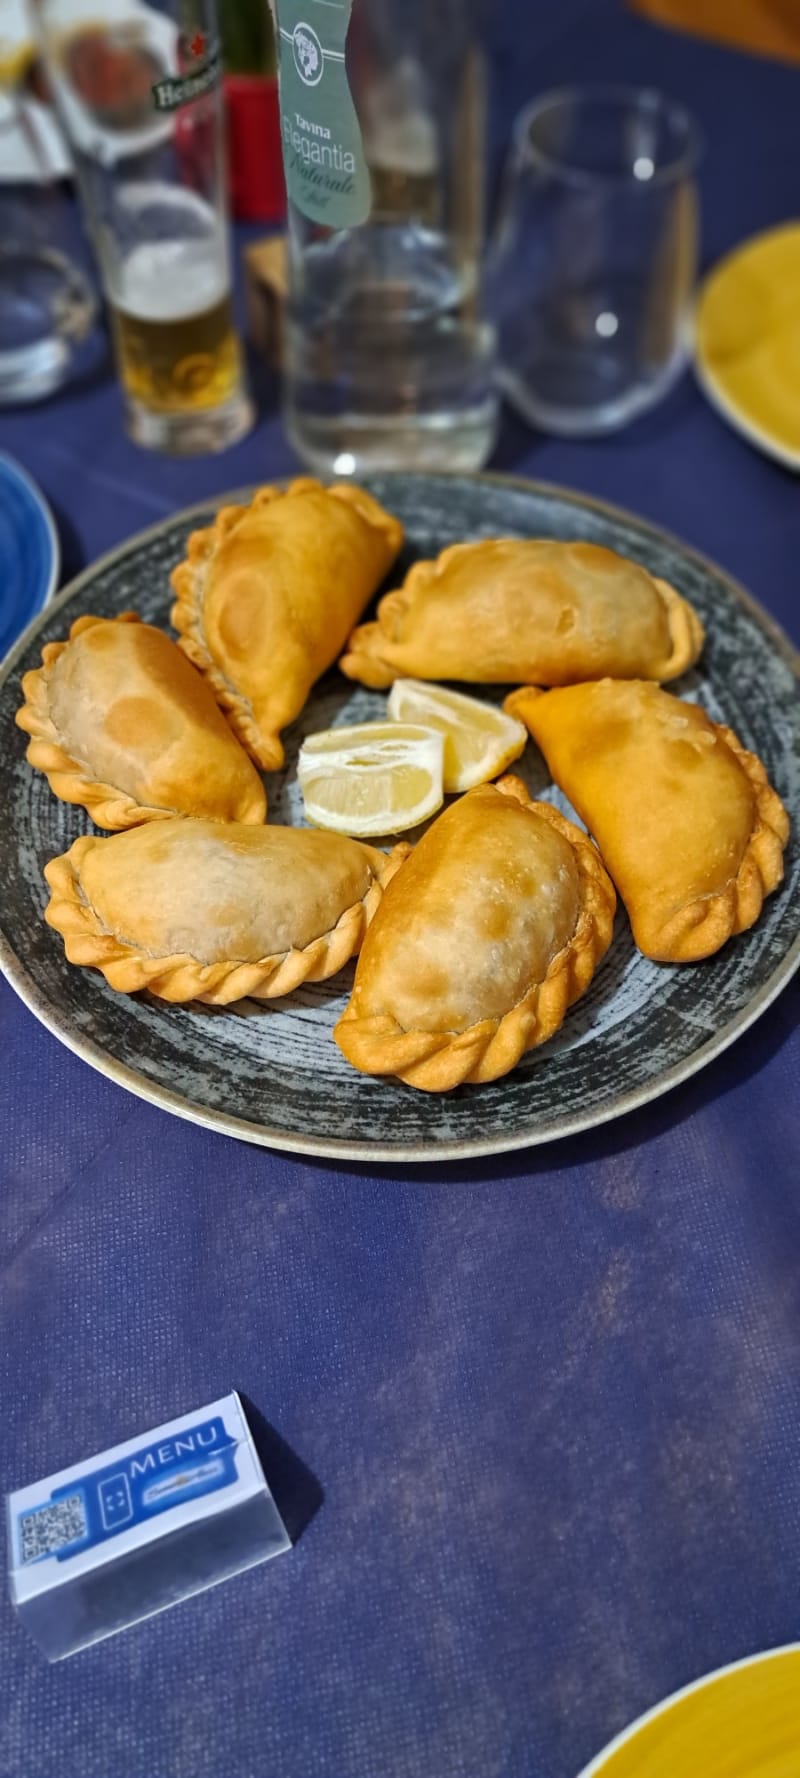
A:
<point x="49" y="1528"/>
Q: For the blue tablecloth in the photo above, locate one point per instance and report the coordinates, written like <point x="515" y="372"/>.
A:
<point x="552" y="1403"/>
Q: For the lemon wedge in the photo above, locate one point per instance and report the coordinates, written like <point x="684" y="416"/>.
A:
<point x="376" y="778"/>
<point x="480" y="740"/>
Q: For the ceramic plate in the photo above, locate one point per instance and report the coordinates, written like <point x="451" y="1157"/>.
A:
<point x="747" y="341"/>
<point x="741" y="1722"/>
<point x="271" y="1072"/>
<point x="29" y="555"/>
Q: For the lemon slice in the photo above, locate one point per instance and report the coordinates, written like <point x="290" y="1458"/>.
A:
<point x="377" y="778"/>
<point x="480" y="740"/>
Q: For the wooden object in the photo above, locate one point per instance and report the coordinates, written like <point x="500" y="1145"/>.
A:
<point x="265" y="270"/>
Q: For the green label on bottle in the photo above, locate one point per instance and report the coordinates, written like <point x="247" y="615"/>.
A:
<point x="323" y="155"/>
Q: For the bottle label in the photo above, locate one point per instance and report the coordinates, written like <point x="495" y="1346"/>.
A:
<point x="199" y="69"/>
<point x="323" y="154"/>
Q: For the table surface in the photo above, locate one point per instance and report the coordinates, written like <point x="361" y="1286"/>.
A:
<point x="541" y="1417"/>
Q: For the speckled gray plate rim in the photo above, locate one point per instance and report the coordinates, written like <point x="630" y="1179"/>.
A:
<point x="270" y="1073"/>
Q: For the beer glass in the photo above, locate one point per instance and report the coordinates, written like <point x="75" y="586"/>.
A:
<point x="137" y="87"/>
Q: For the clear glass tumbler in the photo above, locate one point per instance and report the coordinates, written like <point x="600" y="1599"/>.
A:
<point x="47" y="306"/>
<point x="594" y="257"/>
<point x="138" y="90"/>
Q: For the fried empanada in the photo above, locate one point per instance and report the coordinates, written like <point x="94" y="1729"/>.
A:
<point x="198" y="910"/>
<point x="685" y="819"/>
<point x="508" y="610"/>
<point x="121" y="723"/>
<point x="491" y="930"/>
<point x="269" y="594"/>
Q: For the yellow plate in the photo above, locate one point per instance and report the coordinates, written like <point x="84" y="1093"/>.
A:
<point x="741" y="1722"/>
<point x="747" y="341"/>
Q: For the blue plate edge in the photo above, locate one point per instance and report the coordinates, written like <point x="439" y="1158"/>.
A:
<point x="42" y="506"/>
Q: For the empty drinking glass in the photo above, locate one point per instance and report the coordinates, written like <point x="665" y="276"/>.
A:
<point x="47" y="306"/>
<point x="594" y="256"/>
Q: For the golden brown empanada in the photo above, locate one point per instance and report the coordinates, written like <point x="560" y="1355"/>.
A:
<point x="270" y="593"/>
<point x="687" y="824"/>
<point x="514" y="610"/>
<point x="120" y="722"/>
<point x="198" y="910"/>
<point x="494" y="926"/>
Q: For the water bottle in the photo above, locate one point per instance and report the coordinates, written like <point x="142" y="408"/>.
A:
<point x="389" y="357"/>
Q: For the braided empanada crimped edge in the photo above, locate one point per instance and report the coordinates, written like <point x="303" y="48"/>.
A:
<point x="188" y="583"/>
<point x="686" y="630"/>
<point x="436" y="1061"/>
<point x="69" y="778"/>
<point x="704" y="925"/>
<point x="180" y="977"/>
<point x="364" y="658"/>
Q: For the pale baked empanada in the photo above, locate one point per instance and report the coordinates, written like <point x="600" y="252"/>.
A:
<point x="269" y="594"/>
<point x="686" y="821"/>
<point x="120" y="722"/>
<point x="199" y="910"/>
<point x="489" y="932"/>
<point x="506" y="610"/>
